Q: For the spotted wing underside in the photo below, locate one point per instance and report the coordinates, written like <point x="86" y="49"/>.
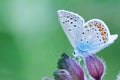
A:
<point x="72" y="24"/>
<point x="95" y="36"/>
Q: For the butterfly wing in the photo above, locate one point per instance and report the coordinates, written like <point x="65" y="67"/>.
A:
<point x="71" y="23"/>
<point x="95" y="36"/>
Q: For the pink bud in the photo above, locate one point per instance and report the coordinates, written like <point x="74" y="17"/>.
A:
<point x="94" y="66"/>
<point x="62" y="74"/>
<point x="71" y="66"/>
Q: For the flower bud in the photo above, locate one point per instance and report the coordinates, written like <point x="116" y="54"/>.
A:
<point x="62" y="74"/>
<point x="95" y="66"/>
<point x="71" y="66"/>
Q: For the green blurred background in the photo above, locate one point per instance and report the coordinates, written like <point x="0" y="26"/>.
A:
<point x="32" y="40"/>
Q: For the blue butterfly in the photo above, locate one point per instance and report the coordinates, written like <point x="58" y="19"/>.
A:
<point x="86" y="38"/>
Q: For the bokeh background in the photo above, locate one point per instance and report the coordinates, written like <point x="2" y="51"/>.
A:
<point x="32" y="40"/>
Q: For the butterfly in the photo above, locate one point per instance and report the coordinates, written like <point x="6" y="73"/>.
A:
<point x="86" y="38"/>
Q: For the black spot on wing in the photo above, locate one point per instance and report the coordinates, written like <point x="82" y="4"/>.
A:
<point x="71" y="18"/>
<point x="75" y="20"/>
<point x="71" y="22"/>
<point x="95" y="29"/>
<point x="83" y="33"/>
<point x="67" y="16"/>
<point x="69" y="29"/>
<point x="74" y="25"/>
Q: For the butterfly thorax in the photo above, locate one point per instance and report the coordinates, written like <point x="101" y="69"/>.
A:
<point x="82" y="49"/>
